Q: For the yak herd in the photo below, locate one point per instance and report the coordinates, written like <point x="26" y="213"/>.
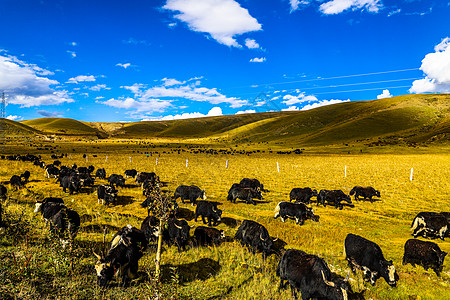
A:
<point x="304" y="272"/>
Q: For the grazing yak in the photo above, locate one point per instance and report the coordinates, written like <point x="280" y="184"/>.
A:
<point x="209" y="211"/>
<point x="254" y="236"/>
<point x="150" y="227"/>
<point x="426" y="254"/>
<point x="71" y="182"/>
<point x="253" y="184"/>
<point x="191" y="193"/>
<point x="430" y="225"/>
<point x="365" y="192"/>
<point x="130" y="173"/>
<point x="176" y="232"/>
<point x="64" y="222"/>
<point x="100" y="173"/>
<point x="117" y="180"/>
<point x="16" y="182"/>
<point x="143" y="176"/>
<point x="333" y="196"/>
<point x="106" y="193"/>
<point x="368" y="257"/>
<point x="206" y="236"/>
<point x="26" y="176"/>
<point x="244" y="193"/>
<point x="127" y="247"/>
<point x="302" y="194"/>
<point x="297" y="211"/>
<point x="310" y="275"/>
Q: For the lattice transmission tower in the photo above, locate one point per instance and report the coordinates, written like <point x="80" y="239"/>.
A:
<point x="3" y="123"/>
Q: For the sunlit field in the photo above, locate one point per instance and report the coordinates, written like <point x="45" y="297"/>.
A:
<point x="34" y="266"/>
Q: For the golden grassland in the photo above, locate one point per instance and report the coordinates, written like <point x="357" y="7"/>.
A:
<point x="228" y="271"/>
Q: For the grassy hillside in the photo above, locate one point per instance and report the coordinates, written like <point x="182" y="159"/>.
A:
<point x="61" y="126"/>
<point x="418" y="118"/>
<point x="13" y="129"/>
<point x="397" y="120"/>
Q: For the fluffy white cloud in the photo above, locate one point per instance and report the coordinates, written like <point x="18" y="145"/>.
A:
<point x="192" y="92"/>
<point x="258" y="59"/>
<point x="247" y="111"/>
<point x="290" y="99"/>
<point x="385" y="94"/>
<point x="158" y="98"/>
<point x="14" y="118"/>
<point x="215" y="111"/>
<point x="140" y="105"/>
<point x="337" y="6"/>
<point x="251" y="44"/>
<point x="99" y="87"/>
<point x="125" y="65"/>
<point x="436" y="67"/>
<point x="81" y="78"/>
<point x="323" y="103"/>
<point x="221" y="19"/>
<point x="24" y="85"/>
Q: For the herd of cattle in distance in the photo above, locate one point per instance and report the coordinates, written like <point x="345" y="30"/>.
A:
<point x="304" y="272"/>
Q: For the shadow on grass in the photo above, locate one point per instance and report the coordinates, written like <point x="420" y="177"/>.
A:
<point x="230" y="222"/>
<point x="199" y="270"/>
<point x="99" y="228"/>
<point x="184" y="213"/>
<point x="124" y="200"/>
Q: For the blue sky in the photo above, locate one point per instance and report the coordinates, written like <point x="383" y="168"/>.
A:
<point x="168" y="59"/>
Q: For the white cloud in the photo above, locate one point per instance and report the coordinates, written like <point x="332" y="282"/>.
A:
<point x="125" y="65"/>
<point x="99" y="87"/>
<point x="171" y="81"/>
<point x="323" y="103"/>
<point x="248" y="111"/>
<point x="295" y="4"/>
<point x="436" y="67"/>
<point x="99" y="98"/>
<point x="133" y="41"/>
<point x="251" y="44"/>
<point x="258" y="60"/>
<point x="81" y="78"/>
<point x="215" y="111"/>
<point x="290" y="99"/>
<point x="194" y="93"/>
<point x="159" y="98"/>
<point x="140" y="105"/>
<point x="72" y="54"/>
<point x="291" y="108"/>
<point x="14" y="118"/>
<point x="385" y="94"/>
<point x="73" y="44"/>
<point x="25" y="85"/>
<point x="221" y="19"/>
<point x="337" y="6"/>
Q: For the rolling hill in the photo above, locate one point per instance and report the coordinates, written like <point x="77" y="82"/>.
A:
<point x="402" y="119"/>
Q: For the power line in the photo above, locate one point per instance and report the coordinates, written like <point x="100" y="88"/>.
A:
<point x="328" y="78"/>
<point x="342" y="85"/>
<point x="361" y="90"/>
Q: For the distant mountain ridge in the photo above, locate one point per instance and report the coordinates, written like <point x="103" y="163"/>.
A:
<point x="409" y="118"/>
